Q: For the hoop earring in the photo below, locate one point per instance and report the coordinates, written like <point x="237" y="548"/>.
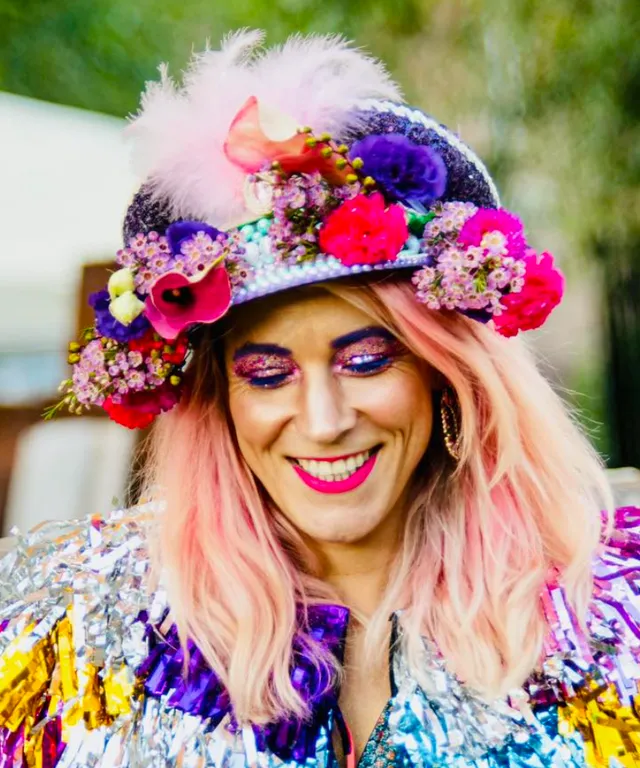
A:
<point x="450" y="417"/>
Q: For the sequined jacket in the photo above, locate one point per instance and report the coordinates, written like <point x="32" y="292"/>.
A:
<point x="91" y="673"/>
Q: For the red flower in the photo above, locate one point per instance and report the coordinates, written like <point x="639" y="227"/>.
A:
<point x="364" y="231"/>
<point x="541" y="293"/>
<point x="146" y="343"/>
<point x="137" y="410"/>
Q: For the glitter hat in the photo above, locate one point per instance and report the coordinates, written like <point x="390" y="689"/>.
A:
<point x="271" y="169"/>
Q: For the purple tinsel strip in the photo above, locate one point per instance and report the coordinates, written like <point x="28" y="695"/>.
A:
<point x="201" y="693"/>
<point x="10" y="744"/>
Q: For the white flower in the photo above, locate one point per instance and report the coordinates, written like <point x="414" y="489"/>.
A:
<point x="495" y="243"/>
<point x="126" y="307"/>
<point x="120" y="282"/>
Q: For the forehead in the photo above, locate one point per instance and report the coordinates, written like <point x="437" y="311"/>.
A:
<point x="296" y="319"/>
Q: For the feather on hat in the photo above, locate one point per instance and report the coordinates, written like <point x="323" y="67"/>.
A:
<point x="180" y="131"/>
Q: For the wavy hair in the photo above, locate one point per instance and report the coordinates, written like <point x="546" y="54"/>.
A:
<point x="481" y="536"/>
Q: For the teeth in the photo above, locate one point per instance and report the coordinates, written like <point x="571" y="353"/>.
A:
<point x="334" y="471"/>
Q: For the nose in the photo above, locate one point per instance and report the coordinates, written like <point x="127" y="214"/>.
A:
<point x="324" y="414"/>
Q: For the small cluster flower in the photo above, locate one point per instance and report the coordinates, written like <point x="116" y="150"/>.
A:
<point x="151" y="256"/>
<point x="300" y="203"/>
<point x="148" y="256"/>
<point x="109" y="372"/>
<point x="476" y="260"/>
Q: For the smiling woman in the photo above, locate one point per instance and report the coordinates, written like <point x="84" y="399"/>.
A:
<point x="373" y="531"/>
<point x="345" y="410"/>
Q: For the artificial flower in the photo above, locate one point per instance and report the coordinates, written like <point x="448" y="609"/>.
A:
<point x="177" y="302"/>
<point x="531" y="306"/>
<point x="404" y="171"/>
<point x="494" y="229"/>
<point x="126" y="307"/>
<point x="250" y="148"/>
<point x="107" y="325"/>
<point x="121" y="281"/>
<point x="364" y="231"/>
<point x="181" y="233"/>
<point x="137" y="410"/>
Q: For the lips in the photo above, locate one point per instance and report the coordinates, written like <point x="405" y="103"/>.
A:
<point x="336" y="475"/>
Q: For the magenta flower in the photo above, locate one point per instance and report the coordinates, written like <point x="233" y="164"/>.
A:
<point x="486" y="226"/>
<point x="364" y="231"/>
<point x="177" y="302"/>
<point x="541" y="293"/>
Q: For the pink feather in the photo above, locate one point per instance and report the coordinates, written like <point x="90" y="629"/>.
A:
<point x="179" y="133"/>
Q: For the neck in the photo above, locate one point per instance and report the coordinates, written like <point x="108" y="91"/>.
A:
<point x="359" y="571"/>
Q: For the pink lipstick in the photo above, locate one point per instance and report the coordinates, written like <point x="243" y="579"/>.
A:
<point x="338" y="486"/>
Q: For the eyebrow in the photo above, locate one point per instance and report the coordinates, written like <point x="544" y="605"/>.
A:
<point x="362" y="333"/>
<point x="260" y="349"/>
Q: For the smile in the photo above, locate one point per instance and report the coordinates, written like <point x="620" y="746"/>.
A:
<point x="336" y="475"/>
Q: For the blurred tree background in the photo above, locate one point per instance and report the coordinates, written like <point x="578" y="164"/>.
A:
<point x="547" y="91"/>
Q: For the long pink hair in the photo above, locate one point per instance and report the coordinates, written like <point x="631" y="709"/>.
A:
<point x="481" y="536"/>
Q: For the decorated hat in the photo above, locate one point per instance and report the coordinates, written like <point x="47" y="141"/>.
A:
<point x="271" y="169"/>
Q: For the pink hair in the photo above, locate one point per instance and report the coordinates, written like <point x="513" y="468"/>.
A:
<point x="480" y="539"/>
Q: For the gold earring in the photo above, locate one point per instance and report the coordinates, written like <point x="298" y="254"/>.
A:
<point x="449" y="414"/>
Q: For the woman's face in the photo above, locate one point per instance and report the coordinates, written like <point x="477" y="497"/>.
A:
<point x="332" y="414"/>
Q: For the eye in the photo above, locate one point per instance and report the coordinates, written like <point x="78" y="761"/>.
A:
<point x="366" y="365"/>
<point x="269" y="380"/>
<point x="265" y="371"/>
<point x="368" y="356"/>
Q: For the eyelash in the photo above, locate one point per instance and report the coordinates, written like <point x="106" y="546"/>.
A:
<point x="366" y="365"/>
<point x="270" y="380"/>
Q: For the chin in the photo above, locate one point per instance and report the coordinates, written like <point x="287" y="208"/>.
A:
<point x="344" y="524"/>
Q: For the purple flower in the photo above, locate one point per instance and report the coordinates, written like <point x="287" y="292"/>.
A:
<point x="107" y="325"/>
<point x="182" y="231"/>
<point x="403" y="170"/>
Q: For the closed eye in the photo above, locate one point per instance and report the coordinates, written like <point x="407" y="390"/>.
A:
<point x="366" y="365"/>
<point x="268" y="380"/>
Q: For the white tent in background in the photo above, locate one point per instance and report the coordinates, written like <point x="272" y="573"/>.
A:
<point x="66" y="182"/>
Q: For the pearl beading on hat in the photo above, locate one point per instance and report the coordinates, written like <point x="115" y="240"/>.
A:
<point x="269" y="276"/>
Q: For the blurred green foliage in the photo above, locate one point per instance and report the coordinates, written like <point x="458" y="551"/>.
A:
<point x="548" y="89"/>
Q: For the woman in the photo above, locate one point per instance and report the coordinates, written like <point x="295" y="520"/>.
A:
<point x="373" y="526"/>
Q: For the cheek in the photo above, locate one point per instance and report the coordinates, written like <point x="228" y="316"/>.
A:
<point x="257" y="417"/>
<point x="399" y="400"/>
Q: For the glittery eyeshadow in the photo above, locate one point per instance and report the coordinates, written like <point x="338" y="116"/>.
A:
<point x="249" y="366"/>
<point x="370" y="348"/>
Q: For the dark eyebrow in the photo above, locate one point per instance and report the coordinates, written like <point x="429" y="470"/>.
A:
<point x="362" y="333"/>
<point x="261" y="349"/>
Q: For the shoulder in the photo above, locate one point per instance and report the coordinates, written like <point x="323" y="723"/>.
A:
<point x="591" y="670"/>
<point x="612" y="627"/>
<point x="89" y="559"/>
<point x="74" y="597"/>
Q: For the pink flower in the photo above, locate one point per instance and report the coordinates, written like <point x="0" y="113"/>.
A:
<point x="364" y="231"/>
<point x="487" y="220"/>
<point x="541" y="293"/>
<point x="176" y="301"/>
